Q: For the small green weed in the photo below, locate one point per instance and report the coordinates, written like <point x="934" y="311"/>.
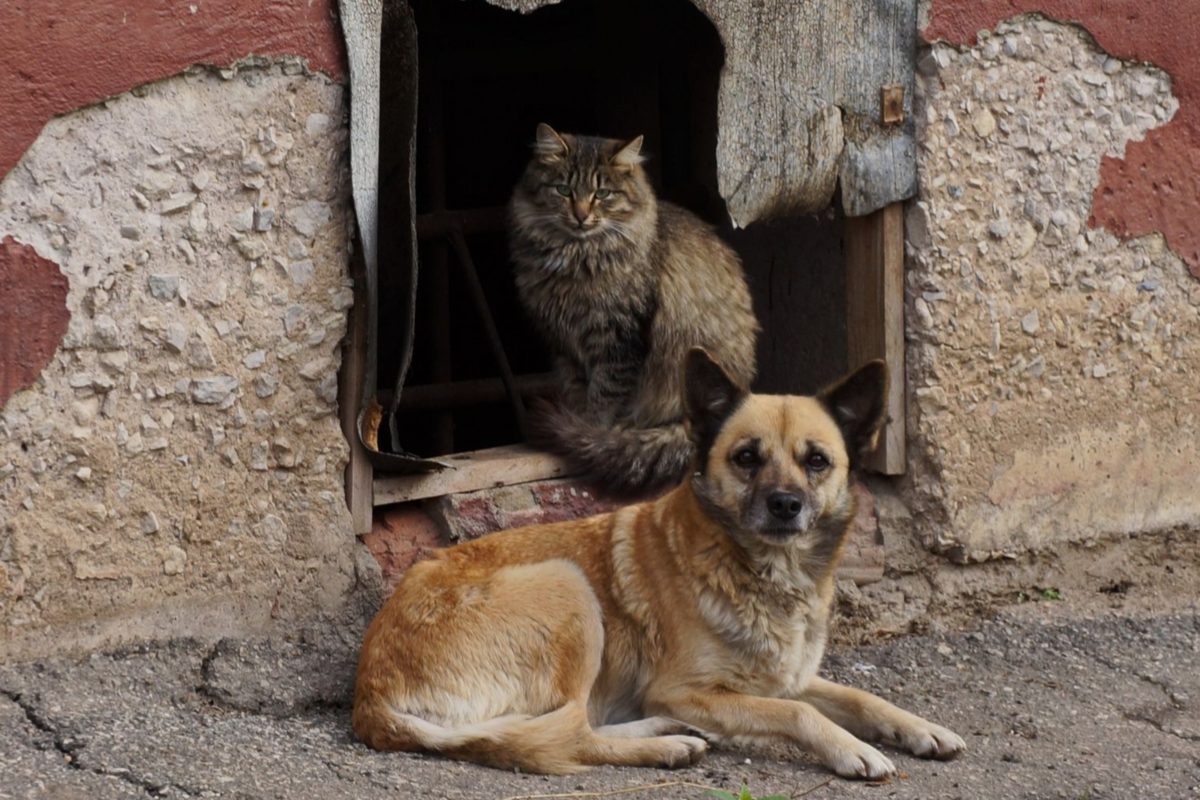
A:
<point x="1051" y="594"/>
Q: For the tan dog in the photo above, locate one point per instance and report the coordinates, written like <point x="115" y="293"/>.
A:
<point x="598" y="641"/>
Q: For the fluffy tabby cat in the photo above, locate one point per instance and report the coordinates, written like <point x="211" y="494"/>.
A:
<point x="622" y="286"/>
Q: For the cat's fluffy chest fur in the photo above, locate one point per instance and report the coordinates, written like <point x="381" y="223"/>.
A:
<point x="613" y="322"/>
<point x="622" y="286"/>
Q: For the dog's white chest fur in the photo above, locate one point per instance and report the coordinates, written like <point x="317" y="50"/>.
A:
<point x="780" y="649"/>
<point x="799" y="664"/>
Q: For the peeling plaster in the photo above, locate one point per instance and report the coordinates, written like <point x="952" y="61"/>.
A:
<point x="1155" y="187"/>
<point x="1051" y="366"/>
<point x="57" y="56"/>
<point x="33" y="314"/>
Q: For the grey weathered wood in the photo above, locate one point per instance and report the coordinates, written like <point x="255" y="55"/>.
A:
<point x="879" y="162"/>
<point x="799" y="103"/>
<point x="362" y="25"/>
<point x="481" y="469"/>
<point x="360" y="475"/>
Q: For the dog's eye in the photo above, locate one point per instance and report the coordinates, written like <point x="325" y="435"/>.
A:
<point x="817" y="462"/>
<point x="746" y="457"/>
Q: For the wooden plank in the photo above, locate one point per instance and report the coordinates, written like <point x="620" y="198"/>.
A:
<point x="875" y="317"/>
<point x="786" y="143"/>
<point x="359" y="473"/>
<point x="481" y="469"/>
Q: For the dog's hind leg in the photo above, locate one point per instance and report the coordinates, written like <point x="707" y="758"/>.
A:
<point x="564" y="738"/>
<point x="650" y="726"/>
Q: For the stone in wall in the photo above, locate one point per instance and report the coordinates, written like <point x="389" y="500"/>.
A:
<point x="1052" y="368"/>
<point x="177" y="468"/>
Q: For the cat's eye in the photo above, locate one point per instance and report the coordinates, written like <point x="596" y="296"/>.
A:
<point x="817" y="462"/>
<point x="563" y="189"/>
<point x="746" y="457"/>
<point x="603" y="193"/>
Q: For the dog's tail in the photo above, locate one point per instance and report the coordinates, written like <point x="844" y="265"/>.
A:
<point x="621" y="458"/>
<point x="547" y="744"/>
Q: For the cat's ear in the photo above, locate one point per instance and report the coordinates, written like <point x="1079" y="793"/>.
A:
<point x="549" y="146"/>
<point x="629" y="154"/>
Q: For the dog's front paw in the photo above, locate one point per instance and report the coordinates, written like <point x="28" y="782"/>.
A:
<point x="860" y="761"/>
<point x="927" y="740"/>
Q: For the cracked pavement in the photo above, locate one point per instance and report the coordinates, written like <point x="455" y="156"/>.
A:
<point x="1053" y="704"/>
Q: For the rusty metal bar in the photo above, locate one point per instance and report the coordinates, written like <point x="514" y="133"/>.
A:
<point x="469" y="221"/>
<point x="459" y="243"/>
<point x="465" y="394"/>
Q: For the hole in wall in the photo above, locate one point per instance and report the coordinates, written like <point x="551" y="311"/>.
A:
<point x="619" y="68"/>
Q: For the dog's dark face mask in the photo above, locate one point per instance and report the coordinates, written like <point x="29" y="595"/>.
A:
<point x="775" y="469"/>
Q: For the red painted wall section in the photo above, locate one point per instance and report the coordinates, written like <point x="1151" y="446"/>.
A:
<point x="57" y="55"/>
<point x="33" y="315"/>
<point x="1156" y="187"/>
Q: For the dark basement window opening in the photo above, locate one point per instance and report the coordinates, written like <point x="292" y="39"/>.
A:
<point x="616" y="68"/>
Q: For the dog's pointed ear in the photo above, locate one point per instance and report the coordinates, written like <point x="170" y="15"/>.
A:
<point x="550" y="146"/>
<point x="710" y="396"/>
<point x="858" y="404"/>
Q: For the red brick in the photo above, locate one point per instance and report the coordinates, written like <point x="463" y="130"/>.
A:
<point x="473" y="514"/>
<point x="470" y="515"/>
<point x="400" y="537"/>
<point x="863" y="558"/>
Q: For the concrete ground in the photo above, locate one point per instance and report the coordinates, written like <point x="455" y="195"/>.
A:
<point x="1053" y="703"/>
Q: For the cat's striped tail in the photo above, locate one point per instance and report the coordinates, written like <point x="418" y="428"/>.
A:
<point x="621" y="458"/>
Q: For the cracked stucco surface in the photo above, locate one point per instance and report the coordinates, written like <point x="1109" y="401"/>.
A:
<point x="177" y="468"/>
<point x="1052" y="704"/>
<point x="1053" y="380"/>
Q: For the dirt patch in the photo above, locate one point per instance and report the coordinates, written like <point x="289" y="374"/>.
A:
<point x="923" y="594"/>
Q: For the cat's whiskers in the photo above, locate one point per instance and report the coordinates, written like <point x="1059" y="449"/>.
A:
<point x="624" y="232"/>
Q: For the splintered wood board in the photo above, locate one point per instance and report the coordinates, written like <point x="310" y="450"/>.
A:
<point x="359" y="472"/>
<point x="480" y="469"/>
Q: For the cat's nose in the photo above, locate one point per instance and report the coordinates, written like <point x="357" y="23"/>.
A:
<point x="582" y="212"/>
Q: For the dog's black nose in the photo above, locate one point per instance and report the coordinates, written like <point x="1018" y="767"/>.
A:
<point x="784" y="505"/>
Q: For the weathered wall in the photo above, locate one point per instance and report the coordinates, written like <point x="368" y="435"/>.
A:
<point x="1052" y="367"/>
<point x="177" y="467"/>
<point x="56" y="57"/>
<point x="1155" y="186"/>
